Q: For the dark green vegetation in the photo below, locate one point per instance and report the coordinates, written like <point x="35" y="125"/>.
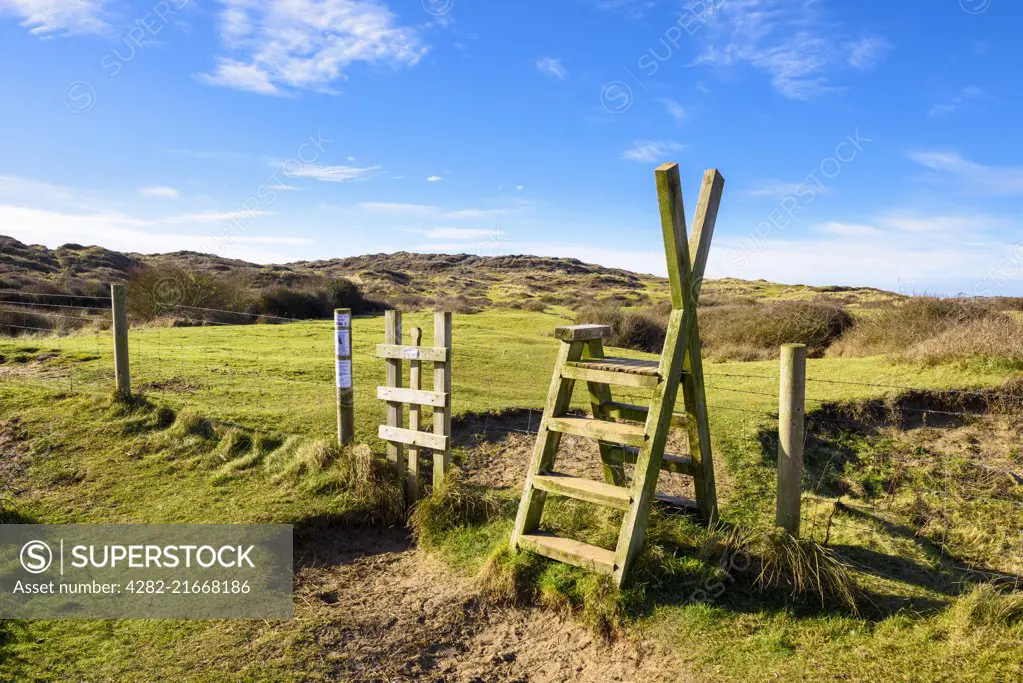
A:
<point x="236" y="424"/>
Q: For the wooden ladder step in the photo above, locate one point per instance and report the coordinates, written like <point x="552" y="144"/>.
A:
<point x="629" y="372"/>
<point x="686" y="504"/>
<point x="583" y="489"/>
<point x="680" y="464"/>
<point x="629" y="411"/>
<point x="568" y="551"/>
<point x="602" y="430"/>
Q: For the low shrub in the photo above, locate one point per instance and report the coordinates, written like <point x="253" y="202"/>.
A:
<point x="995" y="340"/>
<point x="641" y="331"/>
<point x="755" y="332"/>
<point x="895" y="328"/>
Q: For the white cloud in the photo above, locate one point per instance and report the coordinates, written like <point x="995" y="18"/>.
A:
<point x="961" y="99"/>
<point x="790" y="40"/>
<point x="970" y="176"/>
<point x="307" y="44"/>
<point x="868" y="52"/>
<point x="848" y="229"/>
<point x="675" y="110"/>
<point x="456" y="233"/>
<point x="552" y="67"/>
<point x="780" y="188"/>
<point x="215" y="216"/>
<point x="434" y="179"/>
<point x="651" y="151"/>
<point x="333" y="174"/>
<point x="160" y="192"/>
<point x="431" y="211"/>
<point x="44" y="17"/>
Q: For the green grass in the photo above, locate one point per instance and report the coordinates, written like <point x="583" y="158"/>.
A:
<point x="231" y="435"/>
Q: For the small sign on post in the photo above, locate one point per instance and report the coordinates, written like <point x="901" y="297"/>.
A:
<point x="343" y="362"/>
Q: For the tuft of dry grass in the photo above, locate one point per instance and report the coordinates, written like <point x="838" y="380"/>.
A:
<point x="629" y="329"/>
<point x="777" y="561"/>
<point x="901" y="326"/>
<point x="755" y="332"/>
<point x="995" y="339"/>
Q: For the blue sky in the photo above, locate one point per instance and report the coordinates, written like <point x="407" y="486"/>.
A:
<point x="868" y="143"/>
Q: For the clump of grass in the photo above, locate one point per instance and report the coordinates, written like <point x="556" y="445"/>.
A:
<point x="903" y="325"/>
<point x="755" y="332"/>
<point x="995" y="340"/>
<point x="776" y="561"/>
<point x="191" y="424"/>
<point x="452" y="504"/>
<point x="509" y="577"/>
<point x="985" y="606"/>
<point x="234" y="444"/>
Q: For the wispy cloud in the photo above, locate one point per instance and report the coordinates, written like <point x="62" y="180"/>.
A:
<point x="46" y="17"/>
<point x="651" y="151"/>
<point x="675" y="110"/>
<point x="969" y="176"/>
<point x="867" y="52"/>
<point x="431" y="211"/>
<point x="281" y="47"/>
<point x="333" y="174"/>
<point x="160" y="192"/>
<point x="552" y="67"/>
<point x="455" y="233"/>
<point x="792" y="41"/>
<point x="961" y="99"/>
<point x="847" y="229"/>
<point x="633" y="8"/>
<point x="780" y="188"/>
<point x="434" y="179"/>
<point x="204" y="217"/>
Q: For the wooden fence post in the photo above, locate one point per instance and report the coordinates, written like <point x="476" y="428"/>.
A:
<point x="119" y="305"/>
<point x="345" y="376"/>
<point x="791" y="429"/>
<point x="395" y="413"/>
<point x="442" y="384"/>
<point x="415" y="383"/>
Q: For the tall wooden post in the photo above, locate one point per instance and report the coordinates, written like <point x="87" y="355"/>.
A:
<point x="442" y="384"/>
<point x="119" y="305"/>
<point x="415" y="383"/>
<point x="791" y="428"/>
<point x="395" y="412"/>
<point x="343" y="364"/>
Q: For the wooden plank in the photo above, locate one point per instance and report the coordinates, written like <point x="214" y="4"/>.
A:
<point x="679" y="464"/>
<point x="634" y="366"/>
<point x="442" y="334"/>
<point x="673" y="230"/>
<point x="395" y="410"/>
<point x="589" y="490"/>
<point x="694" y="395"/>
<point x="415" y="381"/>
<point x="566" y="550"/>
<point x="629" y="411"/>
<point x="434" y="354"/>
<point x="414" y="396"/>
<point x="608" y="377"/>
<point x="571" y="333"/>
<point x="614" y="432"/>
<point x="407" y="436"/>
<point x="559" y="397"/>
<point x="677" y="502"/>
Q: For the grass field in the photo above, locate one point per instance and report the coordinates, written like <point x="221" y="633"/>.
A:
<point x="74" y="456"/>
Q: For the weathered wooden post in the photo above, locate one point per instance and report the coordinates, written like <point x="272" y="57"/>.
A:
<point x="442" y="385"/>
<point x="415" y="383"/>
<point x="119" y="306"/>
<point x="392" y="335"/>
<point x="345" y="383"/>
<point x="791" y="428"/>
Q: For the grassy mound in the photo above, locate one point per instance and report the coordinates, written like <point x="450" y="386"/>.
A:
<point x="739" y="332"/>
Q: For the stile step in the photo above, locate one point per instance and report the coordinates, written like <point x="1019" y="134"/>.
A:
<point x="571" y="552"/>
<point x="680" y="464"/>
<point x="579" y="488"/>
<point x="687" y="504"/>
<point x="602" y="430"/>
<point x="629" y="411"/>
<point x="621" y="371"/>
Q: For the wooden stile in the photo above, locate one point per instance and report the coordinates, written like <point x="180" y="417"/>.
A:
<point x="631" y="433"/>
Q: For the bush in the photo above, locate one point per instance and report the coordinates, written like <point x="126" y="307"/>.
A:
<point x="755" y="332"/>
<point x="629" y="330"/>
<point x="896" y="328"/>
<point x="996" y="340"/>
<point x="17" y="323"/>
